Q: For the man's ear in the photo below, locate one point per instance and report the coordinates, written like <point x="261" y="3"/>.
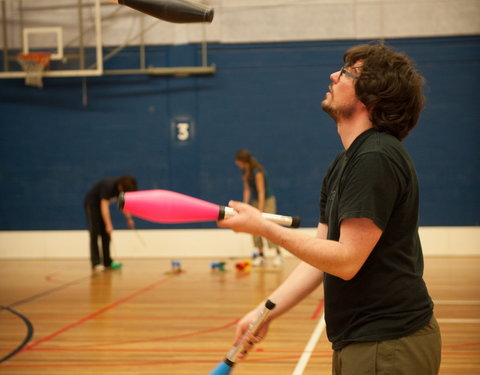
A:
<point x="371" y="107"/>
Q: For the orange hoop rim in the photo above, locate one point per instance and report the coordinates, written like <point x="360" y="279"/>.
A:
<point x="41" y="58"/>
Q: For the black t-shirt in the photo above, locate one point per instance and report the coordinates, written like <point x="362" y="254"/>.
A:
<point x="387" y="299"/>
<point x="103" y="189"/>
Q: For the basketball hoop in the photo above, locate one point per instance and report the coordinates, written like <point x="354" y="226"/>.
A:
<point x="34" y="64"/>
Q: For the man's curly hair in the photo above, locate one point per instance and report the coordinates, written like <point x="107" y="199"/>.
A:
<point x="389" y="86"/>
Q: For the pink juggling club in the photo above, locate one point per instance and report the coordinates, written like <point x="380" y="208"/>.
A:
<point x="169" y="207"/>
<point x="225" y="367"/>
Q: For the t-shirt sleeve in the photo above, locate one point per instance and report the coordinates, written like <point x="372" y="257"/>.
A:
<point x="371" y="189"/>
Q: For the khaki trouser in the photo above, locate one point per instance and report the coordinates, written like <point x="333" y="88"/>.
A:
<point x="417" y="354"/>
<point x="271" y="208"/>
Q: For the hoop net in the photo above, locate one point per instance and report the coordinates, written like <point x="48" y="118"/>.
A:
<point x="34" y="64"/>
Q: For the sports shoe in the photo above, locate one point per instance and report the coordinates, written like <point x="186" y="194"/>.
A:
<point x="116" y="266"/>
<point x="278" y="260"/>
<point x="258" y="261"/>
<point x="98" y="267"/>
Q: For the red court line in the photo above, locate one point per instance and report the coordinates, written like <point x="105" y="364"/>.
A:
<point x="51" y="277"/>
<point x="184" y="335"/>
<point x="95" y="314"/>
<point x="314" y="316"/>
<point x="322" y="354"/>
<point x="165" y="350"/>
<point x="468" y="353"/>
<point x="316" y="354"/>
<point x="149" y="317"/>
<point x="275" y="359"/>
<point x="155" y="339"/>
<point x="453" y="346"/>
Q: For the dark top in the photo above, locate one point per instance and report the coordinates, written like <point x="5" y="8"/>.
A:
<point x="103" y="189"/>
<point x="253" y="185"/>
<point x="387" y="299"/>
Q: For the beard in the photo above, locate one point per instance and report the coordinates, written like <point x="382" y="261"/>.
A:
<point x="328" y="109"/>
<point x="343" y="112"/>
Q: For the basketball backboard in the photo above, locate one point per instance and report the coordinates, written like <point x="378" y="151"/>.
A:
<point x="70" y="30"/>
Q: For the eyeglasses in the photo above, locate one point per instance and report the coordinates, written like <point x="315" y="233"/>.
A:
<point x="347" y="73"/>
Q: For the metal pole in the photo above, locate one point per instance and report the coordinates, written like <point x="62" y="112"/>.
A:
<point x="142" y="42"/>
<point x="204" y="46"/>
<point x="81" y="46"/>
<point x="5" y="40"/>
<point x="98" y="37"/>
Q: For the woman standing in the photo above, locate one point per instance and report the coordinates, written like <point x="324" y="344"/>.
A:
<point x="257" y="191"/>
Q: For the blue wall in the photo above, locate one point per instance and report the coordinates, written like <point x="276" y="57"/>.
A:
<point x="264" y="97"/>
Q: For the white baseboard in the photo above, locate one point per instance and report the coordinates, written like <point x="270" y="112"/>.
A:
<point x="181" y="243"/>
<point x="450" y="240"/>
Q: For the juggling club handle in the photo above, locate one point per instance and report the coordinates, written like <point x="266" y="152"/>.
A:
<point x="253" y="328"/>
<point x="289" y="221"/>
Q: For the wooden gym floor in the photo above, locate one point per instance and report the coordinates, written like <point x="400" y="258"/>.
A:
<point x="144" y="319"/>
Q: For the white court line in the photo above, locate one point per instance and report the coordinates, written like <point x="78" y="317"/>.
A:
<point x="307" y="352"/>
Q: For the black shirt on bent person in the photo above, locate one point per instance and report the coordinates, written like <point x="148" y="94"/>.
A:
<point x="106" y="188"/>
